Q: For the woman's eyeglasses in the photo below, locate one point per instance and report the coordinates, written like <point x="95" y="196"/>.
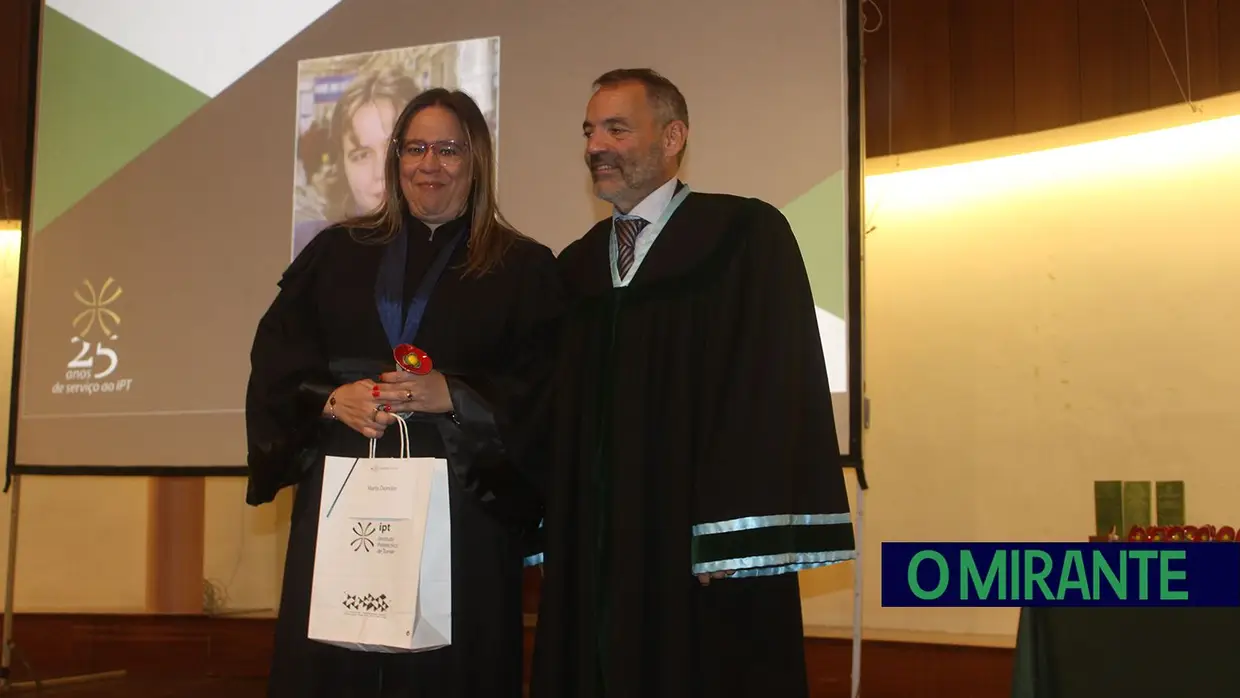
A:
<point x="449" y="152"/>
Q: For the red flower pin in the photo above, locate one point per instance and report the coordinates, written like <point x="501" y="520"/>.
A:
<point x="412" y="359"/>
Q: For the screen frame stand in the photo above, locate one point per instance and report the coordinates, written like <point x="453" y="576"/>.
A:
<point x="858" y="580"/>
<point x="859" y="404"/>
<point x="12" y="479"/>
<point x="11" y="647"/>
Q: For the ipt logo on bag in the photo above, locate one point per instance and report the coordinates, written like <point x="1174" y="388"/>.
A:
<point x="374" y="536"/>
<point x="364" y="540"/>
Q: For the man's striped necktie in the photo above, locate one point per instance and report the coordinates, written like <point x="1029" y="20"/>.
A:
<point x="627" y="230"/>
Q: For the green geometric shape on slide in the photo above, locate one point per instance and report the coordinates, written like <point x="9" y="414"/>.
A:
<point x="100" y="106"/>
<point x="817" y="219"/>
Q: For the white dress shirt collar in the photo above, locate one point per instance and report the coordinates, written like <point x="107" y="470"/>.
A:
<point x="651" y="207"/>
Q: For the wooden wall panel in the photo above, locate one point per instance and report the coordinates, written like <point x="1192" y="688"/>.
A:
<point x="1203" y="48"/>
<point x="15" y="19"/>
<point x="920" y="73"/>
<point x="1183" y="43"/>
<point x="1015" y="66"/>
<point x="1168" y="59"/>
<point x="1114" y="55"/>
<point x="187" y="648"/>
<point x="982" y="69"/>
<point x="875" y="65"/>
<point x="1228" y="30"/>
<point x="1046" y="64"/>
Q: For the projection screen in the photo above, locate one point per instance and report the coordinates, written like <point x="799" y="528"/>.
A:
<point x="184" y="152"/>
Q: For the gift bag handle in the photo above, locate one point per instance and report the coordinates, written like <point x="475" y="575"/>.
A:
<point x="404" y="439"/>
<point x="404" y="453"/>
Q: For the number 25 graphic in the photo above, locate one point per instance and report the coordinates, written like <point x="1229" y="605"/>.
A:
<point x="84" y="361"/>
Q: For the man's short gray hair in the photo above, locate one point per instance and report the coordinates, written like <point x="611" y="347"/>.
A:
<point x="665" y="98"/>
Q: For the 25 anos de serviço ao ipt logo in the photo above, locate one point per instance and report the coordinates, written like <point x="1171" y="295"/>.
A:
<point x="95" y="342"/>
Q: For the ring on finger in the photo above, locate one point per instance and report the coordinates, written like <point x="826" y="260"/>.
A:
<point x="409" y="395"/>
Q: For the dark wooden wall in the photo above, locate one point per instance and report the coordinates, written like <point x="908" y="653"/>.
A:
<point x="942" y="72"/>
<point x="170" y="654"/>
<point x="15" y="23"/>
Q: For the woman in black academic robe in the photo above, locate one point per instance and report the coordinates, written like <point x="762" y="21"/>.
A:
<point x="489" y="298"/>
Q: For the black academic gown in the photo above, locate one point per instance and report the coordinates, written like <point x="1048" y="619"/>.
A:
<point x="488" y="336"/>
<point x="693" y="432"/>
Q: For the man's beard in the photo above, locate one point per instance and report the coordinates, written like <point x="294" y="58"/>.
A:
<point x="637" y="174"/>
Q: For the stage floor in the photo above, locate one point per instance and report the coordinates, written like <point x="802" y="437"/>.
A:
<point x="156" y="688"/>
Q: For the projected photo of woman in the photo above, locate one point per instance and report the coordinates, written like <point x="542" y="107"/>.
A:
<point x="324" y="382"/>
<point x="344" y="156"/>
<point x="347" y="105"/>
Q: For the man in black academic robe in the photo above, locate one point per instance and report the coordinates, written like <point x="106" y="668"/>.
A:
<point x="695" y="464"/>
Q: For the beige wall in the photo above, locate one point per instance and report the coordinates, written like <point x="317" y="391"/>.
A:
<point x="1021" y="344"/>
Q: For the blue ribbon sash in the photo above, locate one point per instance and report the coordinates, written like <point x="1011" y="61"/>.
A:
<point x="390" y="287"/>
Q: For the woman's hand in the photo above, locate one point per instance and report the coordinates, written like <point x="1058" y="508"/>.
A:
<point x="357" y="406"/>
<point x="407" y="392"/>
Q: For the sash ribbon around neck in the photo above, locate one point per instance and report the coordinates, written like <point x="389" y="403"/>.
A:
<point x="645" y="240"/>
<point x="402" y="328"/>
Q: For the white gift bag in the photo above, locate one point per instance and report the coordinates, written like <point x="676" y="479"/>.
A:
<point x="383" y="558"/>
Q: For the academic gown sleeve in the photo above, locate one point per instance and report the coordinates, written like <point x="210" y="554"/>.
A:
<point x="498" y="424"/>
<point x="770" y="496"/>
<point x="289" y="382"/>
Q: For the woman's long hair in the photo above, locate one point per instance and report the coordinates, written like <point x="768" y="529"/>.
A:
<point x="490" y="234"/>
